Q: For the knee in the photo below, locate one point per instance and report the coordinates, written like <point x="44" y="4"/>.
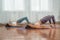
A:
<point x="25" y="17"/>
<point x="52" y="16"/>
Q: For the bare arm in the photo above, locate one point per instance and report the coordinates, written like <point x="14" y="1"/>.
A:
<point x="34" y="26"/>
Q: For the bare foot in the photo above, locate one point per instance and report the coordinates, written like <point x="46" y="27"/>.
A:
<point x="51" y="26"/>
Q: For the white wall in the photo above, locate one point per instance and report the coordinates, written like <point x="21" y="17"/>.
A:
<point x="32" y="16"/>
<point x="1" y="11"/>
<point x="56" y="7"/>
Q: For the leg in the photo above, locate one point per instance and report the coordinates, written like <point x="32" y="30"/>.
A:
<point x="22" y="19"/>
<point x="50" y="21"/>
<point x="53" y="19"/>
<point x="50" y="17"/>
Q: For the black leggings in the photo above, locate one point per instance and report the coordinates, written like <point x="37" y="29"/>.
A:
<point x="53" y="20"/>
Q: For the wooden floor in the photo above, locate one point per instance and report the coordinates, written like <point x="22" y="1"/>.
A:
<point x="29" y="34"/>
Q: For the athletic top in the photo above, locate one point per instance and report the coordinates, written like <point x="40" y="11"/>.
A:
<point x="45" y="19"/>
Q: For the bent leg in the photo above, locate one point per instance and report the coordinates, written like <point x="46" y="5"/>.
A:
<point x="53" y="19"/>
<point x="50" y="21"/>
<point x="22" y="19"/>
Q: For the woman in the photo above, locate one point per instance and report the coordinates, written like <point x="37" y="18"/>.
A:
<point x="38" y="24"/>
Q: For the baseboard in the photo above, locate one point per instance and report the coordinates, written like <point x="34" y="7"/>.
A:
<point x="2" y="24"/>
<point x="58" y="22"/>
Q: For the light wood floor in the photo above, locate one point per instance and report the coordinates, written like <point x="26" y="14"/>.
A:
<point x="29" y="34"/>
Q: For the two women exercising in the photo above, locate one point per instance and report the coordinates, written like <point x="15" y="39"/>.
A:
<point x="38" y="24"/>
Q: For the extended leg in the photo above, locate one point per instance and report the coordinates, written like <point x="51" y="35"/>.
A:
<point x="22" y="19"/>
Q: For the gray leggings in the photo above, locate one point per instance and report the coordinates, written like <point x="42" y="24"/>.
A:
<point x="22" y="19"/>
